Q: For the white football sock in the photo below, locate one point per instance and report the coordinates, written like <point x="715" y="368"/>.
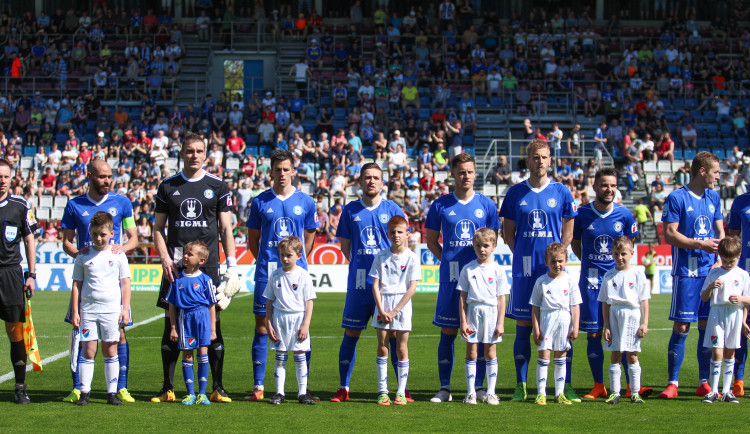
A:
<point x="300" y="363"/>
<point x="111" y="372"/>
<point x="559" y="375"/>
<point x="728" y="375"/>
<point x="634" y="369"/>
<point x="614" y="378"/>
<point x="470" y="370"/>
<point x="86" y="372"/>
<point x="403" y="376"/>
<point x="541" y="376"/>
<point x="491" y="376"/>
<point x="381" y="365"/>
<point x="713" y="379"/>
<point x="280" y="372"/>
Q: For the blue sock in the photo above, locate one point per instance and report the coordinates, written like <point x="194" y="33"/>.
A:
<point x="481" y="368"/>
<point x="625" y="370"/>
<point x="704" y="357"/>
<point x="123" y="354"/>
<point x="445" y="359"/>
<point x="596" y="357"/>
<point x="568" y="363"/>
<point x="260" y="354"/>
<point x="308" y="356"/>
<point x="522" y="352"/>
<point x="202" y="373"/>
<point x="347" y="357"/>
<point x="394" y="355"/>
<point x="77" y="378"/>
<point x="675" y="354"/>
<point x="740" y="355"/>
<point x="189" y="376"/>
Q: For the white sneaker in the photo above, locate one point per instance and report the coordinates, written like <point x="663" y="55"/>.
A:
<point x="492" y="399"/>
<point x="482" y="395"/>
<point x="444" y="395"/>
<point x="470" y="399"/>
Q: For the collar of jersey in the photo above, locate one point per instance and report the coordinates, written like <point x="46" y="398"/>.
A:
<point x="283" y="198"/>
<point x="693" y="194"/>
<point x="371" y="208"/>
<point x="600" y="214"/>
<point x="464" y="202"/>
<point x="104" y="198"/>
<point x="182" y="174"/>
<point x="540" y="189"/>
<point x="196" y="274"/>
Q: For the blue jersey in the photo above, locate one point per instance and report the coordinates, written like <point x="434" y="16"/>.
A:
<point x="538" y="215"/>
<point x="597" y="231"/>
<point x="695" y="216"/>
<point x="192" y="290"/>
<point x="80" y="210"/>
<point x="458" y="220"/>
<point x="739" y="220"/>
<point x="367" y="229"/>
<point x="276" y="219"/>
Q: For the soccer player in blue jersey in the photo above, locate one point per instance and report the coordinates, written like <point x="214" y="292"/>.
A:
<point x="76" y="239"/>
<point x="456" y="216"/>
<point x="596" y="227"/>
<point x="739" y="225"/>
<point x="693" y="225"/>
<point x="275" y="214"/>
<point x="536" y="213"/>
<point x="362" y="230"/>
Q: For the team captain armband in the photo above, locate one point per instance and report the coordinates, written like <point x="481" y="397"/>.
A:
<point x="128" y="222"/>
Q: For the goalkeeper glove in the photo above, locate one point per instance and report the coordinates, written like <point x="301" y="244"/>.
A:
<point x="231" y="282"/>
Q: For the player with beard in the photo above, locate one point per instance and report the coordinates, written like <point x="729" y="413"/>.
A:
<point x="77" y="239"/>
<point x="537" y="213"/>
<point x="362" y="230"/>
<point x="275" y="214"/>
<point x="596" y="226"/>
<point x="197" y="206"/>
<point x="456" y="216"/>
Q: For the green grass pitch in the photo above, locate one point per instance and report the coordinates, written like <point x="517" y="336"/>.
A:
<point x="47" y="412"/>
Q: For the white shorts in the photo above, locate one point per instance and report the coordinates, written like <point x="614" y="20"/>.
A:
<point x="482" y="319"/>
<point x="555" y="326"/>
<point x="100" y="326"/>
<point x="402" y="321"/>
<point x="287" y="325"/>
<point x="624" y="322"/>
<point x="724" y="327"/>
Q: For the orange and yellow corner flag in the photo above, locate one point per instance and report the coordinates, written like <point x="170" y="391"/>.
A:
<point x="29" y="340"/>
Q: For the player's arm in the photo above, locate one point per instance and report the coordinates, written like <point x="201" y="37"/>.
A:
<point x="405" y="299"/>
<point x="673" y="237"/>
<point x="132" y="243"/>
<point x="465" y="329"/>
<point x="575" y="313"/>
<point x="509" y="233"/>
<point x="160" y="243"/>
<point x="173" y="335"/>
<point x="567" y="231"/>
<point x="269" y="320"/>
<point x="709" y="287"/>
<point x="75" y="294"/>
<point x="346" y="247"/>
<point x="68" y="246"/>
<point x="576" y="246"/>
<point x="125" y="313"/>
<point x="304" y="329"/>
<point x="432" y="237"/>
<point x="212" y="315"/>
<point x="605" y="322"/>
<point x="309" y="241"/>
<point x="535" y="324"/>
<point x="500" y="326"/>
<point x="253" y="241"/>
<point x="30" y="246"/>
<point x="227" y="239"/>
<point x="644" y="319"/>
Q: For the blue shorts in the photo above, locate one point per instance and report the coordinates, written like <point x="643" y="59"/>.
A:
<point x="69" y="315"/>
<point x="259" y="302"/>
<point x="687" y="305"/>
<point x="194" y="328"/>
<point x="591" y="310"/>
<point x="446" y="309"/>
<point x="519" y="306"/>
<point x="358" y="308"/>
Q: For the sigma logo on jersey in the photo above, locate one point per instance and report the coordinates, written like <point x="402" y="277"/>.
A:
<point x="282" y="228"/>
<point x="191" y="209"/>
<point x="208" y="193"/>
<point x="602" y="248"/>
<point x="10" y="233"/>
<point x="538" y="220"/>
<point x="370" y="237"/>
<point x="702" y="226"/>
<point x="112" y="211"/>
<point x="464" y="233"/>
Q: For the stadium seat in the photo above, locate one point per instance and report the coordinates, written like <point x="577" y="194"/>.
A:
<point x="29" y="151"/>
<point x="424" y="113"/>
<point x="678" y="153"/>
<point x="469" y="150"/>
<point x="468" y="140"/>
<point x="339" y="112"/>
<point x="689" y="154"/>
<point x="46" y="201"/>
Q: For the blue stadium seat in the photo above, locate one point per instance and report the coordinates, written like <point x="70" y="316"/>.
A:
<point x="721" y="153"/>
<point x="678" y="103"/>
<point x="368" y="152"/>
<point x="469" y="150"/>
<point x="337" y="124"/>
<point x="729" y="141"/>
<point x="424" y="101"/>
<point x="496" y="101"/>
<point x="309" y="125"/>
<point x="480" y="101"/>
<point x="424" y="113"/>
<point x="678" y="153"/>
<point x="325" y="100"/>
<point x="411" y="152"/>
<point x="743" y="142"/>
<point x="714" y="142"/>
<point x="311" y="112"/>
<point x="252" y="139"/>
<point x="691" y="102"/>
<point x="725" y="128"/>
<point x="689" y="154"/>
<point x="468" y="139"/>
<point x="29" y="151"/>
<point x="339" y="112"/>
<point x="60" y="138"/>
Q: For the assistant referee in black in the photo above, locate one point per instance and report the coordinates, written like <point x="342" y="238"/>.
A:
<point x="18" y="224"/>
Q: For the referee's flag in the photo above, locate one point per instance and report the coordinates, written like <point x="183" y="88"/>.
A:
<point x="29" y="340"/>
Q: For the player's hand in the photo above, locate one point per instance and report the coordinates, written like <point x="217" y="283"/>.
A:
<point x="573" y="334"/>
<point x="385" y="318"/>
<point x="231" y="284"/>
<point x="117" y="249"/>
<point x="124" y="319"/>
<point x="213" y="335"/>
<point x="466" y="331"/>
<point x="607" y="336"/>
<point x="393" y="314"/>
<point x="537" y="338"/>
<point x="734" y="299"/>
<point x="272" y="333"/>
<point x="303" y="332"/>
<point x="169" y="268"/>
<point x="746" y="330"/>
<point x="84" y="250"/>
<point x="499" y="330"/>
<point x="642" y="330"/>
<point x="710" y="245"/>
<point x="28" y="287"/>
<point x="173" y="336"/>
<point x="76" y="320"/>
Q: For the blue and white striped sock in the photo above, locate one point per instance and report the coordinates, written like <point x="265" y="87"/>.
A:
<point x="111" y="371"/>
<point x="279" y="372"/>
<point x="189" y="376"/>
<point x="560" y="375"/>
<point x="381" y="365"/>
<point x="403" y="376"/>
<point x="491" y="375"/>
<point x="85" y="373"/>
<point x="470" y="369"/>
<point x="202" y="373"/>
<point x="300" y="363"/>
